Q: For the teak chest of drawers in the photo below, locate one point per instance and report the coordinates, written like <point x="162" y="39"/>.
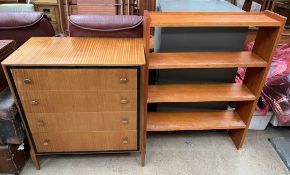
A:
<point x="79" y="95"/>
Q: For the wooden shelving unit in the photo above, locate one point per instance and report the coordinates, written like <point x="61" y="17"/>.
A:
<point x="246" y="95"/>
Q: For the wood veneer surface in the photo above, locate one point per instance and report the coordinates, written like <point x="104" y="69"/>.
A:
<point x="78" y="101"/>
<point x="75" y="79"/>
<point x="74" y="51"/>
<point x="199" y="93"/>
<point x="196" y="120"/>
<point x="214" y="19"/>
<point x="85" y="141"/>
<point x="82" y="121"/>
<point x="205" y="60"/>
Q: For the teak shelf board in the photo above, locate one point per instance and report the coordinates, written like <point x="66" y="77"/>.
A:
<point x="77" y="51"/>
<point x="205" y="60"/>
<point x="199" y="93"/>
<point x="196" y="120"/>
<point x="213" y="19"/>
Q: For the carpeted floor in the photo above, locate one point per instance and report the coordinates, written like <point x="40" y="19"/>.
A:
<point x="186" y="153"/>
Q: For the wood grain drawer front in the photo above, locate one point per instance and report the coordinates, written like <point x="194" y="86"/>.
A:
<point x="82" y="122"/>
<point x="78" y="101"/>
<point x="85" y="141"/>
<point x="75" y="79"/>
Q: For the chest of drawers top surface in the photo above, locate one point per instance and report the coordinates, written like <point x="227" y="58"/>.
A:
<point x="74" y="51"/>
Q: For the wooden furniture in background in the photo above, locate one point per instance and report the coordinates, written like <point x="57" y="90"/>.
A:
<point x="106" y="7"/>
<point x="149" y="5"/>
<point x="233" y="2"/>
<point x="12" y="1"/>
<point x="265" y="4"/>
<point x="79" y="95"/>
<point x="282" y="7"/>
<point x="53" y="12"/>
<point x="246" y="95"/>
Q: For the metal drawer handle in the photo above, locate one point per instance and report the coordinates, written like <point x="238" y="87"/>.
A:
<point x="125" y="140"/>
<point x="40" y="123"/>
<point x="27" y="81"/>
<point x="123" y="80"/>
<point x="124" y="101"/>
<point x="34" y="102"/>
<point x="125" y="121"/>
<point x="46" y="142"/>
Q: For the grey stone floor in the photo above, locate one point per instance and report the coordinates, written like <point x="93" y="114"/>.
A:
<point x="186" y="153"/>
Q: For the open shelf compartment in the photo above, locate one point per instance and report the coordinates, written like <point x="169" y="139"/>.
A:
<point x="197" y="120"/>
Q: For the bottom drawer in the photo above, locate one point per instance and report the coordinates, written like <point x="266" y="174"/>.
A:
<point x="85" y="141"/>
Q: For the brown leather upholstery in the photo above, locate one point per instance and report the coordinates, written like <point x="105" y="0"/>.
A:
<point x="20" y="26"/>
<point x="8" y="109"/>
<point x="17" y="26"/>
<point x="6" y="48"/>
<point x="11" y="130"/>
<point x="105" y="26"/>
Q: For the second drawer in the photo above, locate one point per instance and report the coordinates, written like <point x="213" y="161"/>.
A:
<point x="78" y="101"/>
<point x="82" y="122"/>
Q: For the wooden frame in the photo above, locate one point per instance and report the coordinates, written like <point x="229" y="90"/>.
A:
<point x="125" y="60"/>
<point x="258" y="61"/>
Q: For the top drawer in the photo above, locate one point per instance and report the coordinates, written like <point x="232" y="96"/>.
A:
<point x="75" y="79"/>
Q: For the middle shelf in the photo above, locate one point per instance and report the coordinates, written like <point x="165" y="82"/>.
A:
<point x="199" y="93"/>
<point x="205" y="60"/>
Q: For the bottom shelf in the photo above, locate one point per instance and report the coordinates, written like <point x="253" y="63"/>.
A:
<point x="197" y="120"/>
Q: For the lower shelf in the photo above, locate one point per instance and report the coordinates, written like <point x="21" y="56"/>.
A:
<point x="197" y="120"/>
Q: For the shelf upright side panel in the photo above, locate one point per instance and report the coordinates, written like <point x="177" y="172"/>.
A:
<point x="144" y="88"/>
<point x="265" y="45"/>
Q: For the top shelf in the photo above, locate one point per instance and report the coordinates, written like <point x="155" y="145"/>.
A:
<point x="215" y="19"/>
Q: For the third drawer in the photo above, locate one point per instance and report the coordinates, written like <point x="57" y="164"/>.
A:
<point x="82" y="122"/>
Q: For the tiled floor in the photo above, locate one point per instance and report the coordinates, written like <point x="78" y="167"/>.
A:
<point x="186" y="153"/>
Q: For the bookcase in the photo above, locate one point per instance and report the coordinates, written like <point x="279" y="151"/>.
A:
<point x="245" y="95"/>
